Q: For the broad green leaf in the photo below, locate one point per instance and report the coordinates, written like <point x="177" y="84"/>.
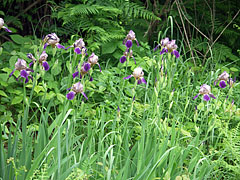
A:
<point x="56" y="69"/>
<point x="17" y="39"/>
<point x="108" y="48"/>
<point x="12" y="61"/>
<point x="234" y="69"/>
<point x="61" y="97"/>
<point x="50" y="95"/>
<point x="2" y="93"/>
<point x="1" y="49"/>
<point x="17" y="100"/>
<point x="37" y="89"/>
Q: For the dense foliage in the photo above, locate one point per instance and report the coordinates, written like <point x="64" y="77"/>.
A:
<point x="176" y="117"/>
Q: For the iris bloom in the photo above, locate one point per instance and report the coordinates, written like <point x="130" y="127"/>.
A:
<point x="205" y="90"/>
<point x="79" y="47"/>
<point x="223" y="78"/>
<point x="53" y="40"/>
<point x="2" y="25"/>
<point x="93" y="59"/>
<point x="124" y="57"/>
<point x="138" y="75"/>
<point x="84" y="70"/>
<point x="168" y="46"/>
<point x="21" y="66"/>
<point x="42" y="60"/>
<point x="76" y="88"/>
<point x="128" y="40"/>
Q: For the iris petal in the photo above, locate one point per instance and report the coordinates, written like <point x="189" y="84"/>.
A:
<point x="6" y="29"/>
<point x="137" y="42"/>
<point x="87" y="66"/>
<point x="85" y="95"/>
<point x="163" y="51"/>
<point x="99" y="67"/>
<point x="70" y="95"/>
<point x="222" y="84"/>
<point x="123" y="59"/>
<point x="45" y="65"/>
<point x="195" y="96"/>
<point x="212" y="96"/>
<point x="128" y="44"/>
<point x="77" y="50"/>
<point x="45" y="45"/>
<point x="12" y="73"/>
<point x="59" y="46"/>
<point x="143" y="80"/>
<point x="75" y="74"/>
<point x="139" y="81"/>
<point x="156" y="47"/>
<point x="206" y="97"/>
<point x="128" y="77"/>
<point x="176" y="53"/>
<point x="24" y="73"/>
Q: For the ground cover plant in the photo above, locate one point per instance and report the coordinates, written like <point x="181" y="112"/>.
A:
<point x="70" y="112"/>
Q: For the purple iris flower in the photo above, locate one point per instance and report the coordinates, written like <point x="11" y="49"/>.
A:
<point x="127" y="54"/>
<point x="53" y="40"/>
<point x="93" y="59"/>
<point x="76" y="88"/>
<point x="84" y="70"/>
<point x="130" y="36"/>
<point x="138" y="75"/>
<point x="79" y="47"/>
<point x="2" y="25"/>
<point x="21" y="66"/>
<point x="205" y="90"/>
<point x="223" y="78"/>
<point x="42" y="60"/>
<point x="168" y="47"/>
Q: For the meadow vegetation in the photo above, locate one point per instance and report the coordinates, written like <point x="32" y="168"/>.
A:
<point x="107" y="94"/>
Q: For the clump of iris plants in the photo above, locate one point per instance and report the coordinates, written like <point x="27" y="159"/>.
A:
<point x="21" y="66"/>
<point x="205" y="90"/>
<point x="2" y="25"/>
<point x="168" y="46"/>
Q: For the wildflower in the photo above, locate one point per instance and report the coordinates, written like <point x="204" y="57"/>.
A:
<point x="93" y="59"/>
<point x="2" y="25"/>
<point x="79" y="47"/>
<point x="77" y="88"/>
<point x="168" y="46"/>
<point x="21" y="66"/>
<point x="205" y="90"/>
<point x="128" y="40"/>
<point x="84" y="70"/>
<point x="125" y="54"/>
<point x="53" y="40"/>
<point x="138" y="75"/>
